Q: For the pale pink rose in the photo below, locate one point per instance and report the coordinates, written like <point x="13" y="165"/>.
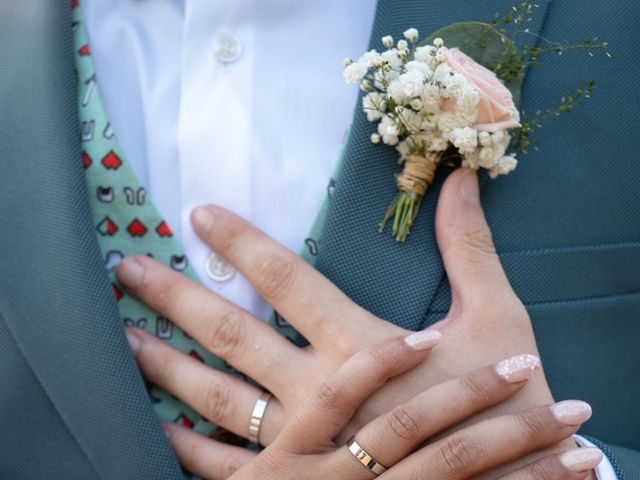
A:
<point x="496" y="110"/>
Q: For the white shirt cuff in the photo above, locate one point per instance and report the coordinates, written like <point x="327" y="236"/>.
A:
<point x="605" y="470"/>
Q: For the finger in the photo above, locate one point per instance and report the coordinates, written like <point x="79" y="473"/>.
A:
<point x="494" y="442"/>
<point x="465" y="241"/>
<point x="224" y="400"/>
<point x="247" y="343"/>
<point x="571" y="465"/>
<point x="336" y="399"/>
<point x="297" y="291"/>
<point x="204" y="457"/>
<point x="394" y="435"/>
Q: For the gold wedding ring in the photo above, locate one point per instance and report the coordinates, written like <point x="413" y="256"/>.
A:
<point x="364" y="458"/>
<point x="257" y="415"/>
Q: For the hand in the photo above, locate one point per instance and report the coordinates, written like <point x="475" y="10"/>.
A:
<point x="486" y="322"/>
<point x="305" y="448"/>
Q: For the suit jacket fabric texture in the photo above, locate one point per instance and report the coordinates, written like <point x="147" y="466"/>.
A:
<point x="566" y="225"/>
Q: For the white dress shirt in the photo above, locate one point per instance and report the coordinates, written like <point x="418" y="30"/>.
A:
<point x="241" y="104"/>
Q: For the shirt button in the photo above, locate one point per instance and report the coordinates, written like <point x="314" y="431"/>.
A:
<point x="226" y="48"/>
<point x="218" y="269"/>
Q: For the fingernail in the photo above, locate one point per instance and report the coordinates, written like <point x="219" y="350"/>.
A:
<point x="166" y="426"/>
<point x="423" y="340"/>
<point x="519" y="368"/>
<point x="571" y="412"/>
<point x="202" y="218"/>
<point x="581" y="459"/>
<point x="130" y="272"/>
<point x="469" y="189"/>
<point x="133" y="339"/>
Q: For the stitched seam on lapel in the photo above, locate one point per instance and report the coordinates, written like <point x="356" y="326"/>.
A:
<point x="593" y="298"/>
<point x="46" y="393"/>
<point x="573" y="248"/>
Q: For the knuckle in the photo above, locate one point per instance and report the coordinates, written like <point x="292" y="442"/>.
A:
<point x="331" y="394"/>
<point x="479" y="238"/>
<point x="533" y="425"/>
<point x="474" y="388"/>
<point x="538" y="471"/>
<point x="276" y="274"/>
<point x="458" y="454"/>
<point x="345" y="344"/>
<point x="225" y="333"/>
<point x="404" y="422"/>
<point x="159" y="287"/>
<point x="216" y="401"/>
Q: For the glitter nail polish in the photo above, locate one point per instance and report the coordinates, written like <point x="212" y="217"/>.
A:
<point x="571" y="412"/>
<point x="519" y="368"/>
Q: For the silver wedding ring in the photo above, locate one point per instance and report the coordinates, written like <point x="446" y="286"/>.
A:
<point x="257" y="415"/>
<point x="364" y="458"/>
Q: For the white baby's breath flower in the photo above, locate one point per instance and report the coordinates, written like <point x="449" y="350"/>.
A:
<point x="411" y="35"/>
<point x="438" y="42"/>
<point x="374" y="106"/>
<point x="408" y="86"/>
<point x="500" y="138"/>
<point x="414" y="121"/>
<point x="441" y="73"/>
<point x="448" y="121"/>
<point x="464" y="139"/>
<point x="366" y="86"/>
<point x="346" y="62"/>
<point x="375" y="138"/>
<point x="387" y="41"/>
<point x="391" y="57"/>
<point x="439" y="143"/>
<point x="504" y="166"/>
<point x="369" y="57"/>
<point x="414" y="66"/>
<point x="425" y="54"/>
<point x="402" y="45"/>
<point x="354" y="73"/>
<point x="484" y="138"/>
<point x="467" y="99"/>
<point x="487" y="157"/>
<point x="388" y="130"/>
<point x="471" y="160"/>
<point x="416" y="104"/>
<point x="404" y="148"/>
<point x="430" y="96"/>
<point x="377" y="62"/>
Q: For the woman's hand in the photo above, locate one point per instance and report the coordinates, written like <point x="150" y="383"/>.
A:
<point x="305" y="448"/>
<point x="486" y="321"/>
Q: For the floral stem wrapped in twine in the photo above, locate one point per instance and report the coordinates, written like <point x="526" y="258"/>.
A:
<point x="413" y="182"/>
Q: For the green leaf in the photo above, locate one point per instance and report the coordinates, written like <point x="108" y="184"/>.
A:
<point x="488" y="47"/>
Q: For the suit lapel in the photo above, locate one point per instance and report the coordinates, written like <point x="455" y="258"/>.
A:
<point x="55" y="295"/>
<point x="394" y="281"/>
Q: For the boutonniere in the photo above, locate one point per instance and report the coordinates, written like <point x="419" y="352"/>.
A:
<point x="453" y="99"/>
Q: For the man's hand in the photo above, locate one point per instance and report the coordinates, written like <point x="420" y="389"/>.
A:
<point x="486" y="322"/>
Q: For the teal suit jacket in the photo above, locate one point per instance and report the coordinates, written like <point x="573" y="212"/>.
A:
<point x="566" y="225"/>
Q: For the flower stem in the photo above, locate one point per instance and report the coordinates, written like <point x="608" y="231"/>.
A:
<point x="404" y="210"/>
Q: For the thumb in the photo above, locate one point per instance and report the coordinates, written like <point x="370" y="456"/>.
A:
<point x="466" y="245"/>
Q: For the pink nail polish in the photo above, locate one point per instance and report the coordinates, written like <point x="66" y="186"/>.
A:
<point x="133" y="339"/>
<point x="571" y="412"/>
<point x="581" y="459"/>
<point x="423" y="340"/>
<point x="519" y="368"/>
